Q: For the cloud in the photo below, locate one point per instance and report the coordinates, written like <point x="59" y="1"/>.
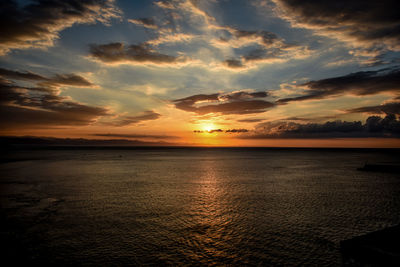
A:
<point x="373" y="127"/>
<point x="233" y="63"/>
<point x="237" y="131"/>
<point x="145" y="22"/>
<point x="69" y="79"/>
<point x="118" y="53"/>
<point x="209" y="131"/>
<point x="388" y="108"/>
<point x="239" y="102"/>
<point x="237" y="38"/>
<point x="312" y="118"/>
<point x="37" y="25"/>
<point x="56" y="80"/>
<point x="67" y="113"/>
<point x="269" y="47"/>
<point x="128" y="120"/>
<point x="222" y="131"/>
<point x="40" y="106"/>
<point x="167" y="38"/>
<point x="191" y="100"/>
<point x="359" y="83"/>
<point x="21" y="75"/>
<point x="365" y="24"/>
<point x="193" y="7"/>
<point x="251" y="120"/>
<point x="165" y="4"/>
<point x="262" y="55"/>
<point x="144" y="136"/>
<point x="239" y="95"/>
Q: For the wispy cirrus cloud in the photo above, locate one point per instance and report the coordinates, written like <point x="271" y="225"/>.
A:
<point x="124" y="120"/>
<point x="172" y="38"/>
<point x="265" y="46"/>
<point x="37" y="25"/>
<point x="145" y="22"/>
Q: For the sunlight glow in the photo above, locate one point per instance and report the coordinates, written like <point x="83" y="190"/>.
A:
<point x="208" y="127"/>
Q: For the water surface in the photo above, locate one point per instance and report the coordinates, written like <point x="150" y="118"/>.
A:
<point x="192" y="206"/>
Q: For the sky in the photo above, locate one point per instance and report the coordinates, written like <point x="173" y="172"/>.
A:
<point x="295" y="73"/>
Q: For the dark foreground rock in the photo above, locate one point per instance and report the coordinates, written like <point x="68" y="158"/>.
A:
<point x="380" y="248"/>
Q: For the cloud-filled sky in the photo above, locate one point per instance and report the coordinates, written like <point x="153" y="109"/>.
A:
<point x="202" y="72"/>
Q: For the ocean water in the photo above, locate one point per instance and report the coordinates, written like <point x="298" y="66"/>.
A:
<point x="254" y="207"/>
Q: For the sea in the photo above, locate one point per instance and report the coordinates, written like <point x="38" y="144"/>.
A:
<point x="179" y="206"/>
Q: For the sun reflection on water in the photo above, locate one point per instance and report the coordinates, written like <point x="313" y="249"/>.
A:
<point x="209" y="229"/>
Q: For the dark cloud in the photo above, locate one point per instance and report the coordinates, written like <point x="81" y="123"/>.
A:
<point x="362" y="23"/>
<point x="69" y="79"/>
<point x="140" y="136"/>
<point x="268" y="38"/>
<point x="38" y="23"/>
<point x="373" y="127"/>
<point x="58" y="79"/>
<point x="119" y="53"/>
<point x="222" y="131"/>
<point x="237" y="107"/>
<point x="359" y="83"/>
<point x="21" y="75"/>
<point x="257" y="54"/>
<point x="237" y="131"/>
<point x="145" y="22"/>
<point x="388" y="108"/>
<point x="245" y="37"/>
<point x="41" y="106"/>
<point x="240" y="95"/>
<point x="233" y="63"/>
<point x="128" y="120"/>
<point x="209" y="131"/>
<point x="251" y="120"/>
<point x="262" y="55"/>
<point x="312" y="118"/>
<point x="240" y="102"/>
<point x="68" y="113"/>
<point x="197" y="98"/>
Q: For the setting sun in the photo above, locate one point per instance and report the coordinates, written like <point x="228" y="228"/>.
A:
<point x="208" y="127"/>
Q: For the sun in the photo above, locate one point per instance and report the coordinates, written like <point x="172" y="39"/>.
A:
<point x="208" y="127"/>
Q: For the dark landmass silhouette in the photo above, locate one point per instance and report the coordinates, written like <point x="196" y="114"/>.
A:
<point x="389" y="168"/>
<point x="380" y="248"/>
<point x="15" y="141"/>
